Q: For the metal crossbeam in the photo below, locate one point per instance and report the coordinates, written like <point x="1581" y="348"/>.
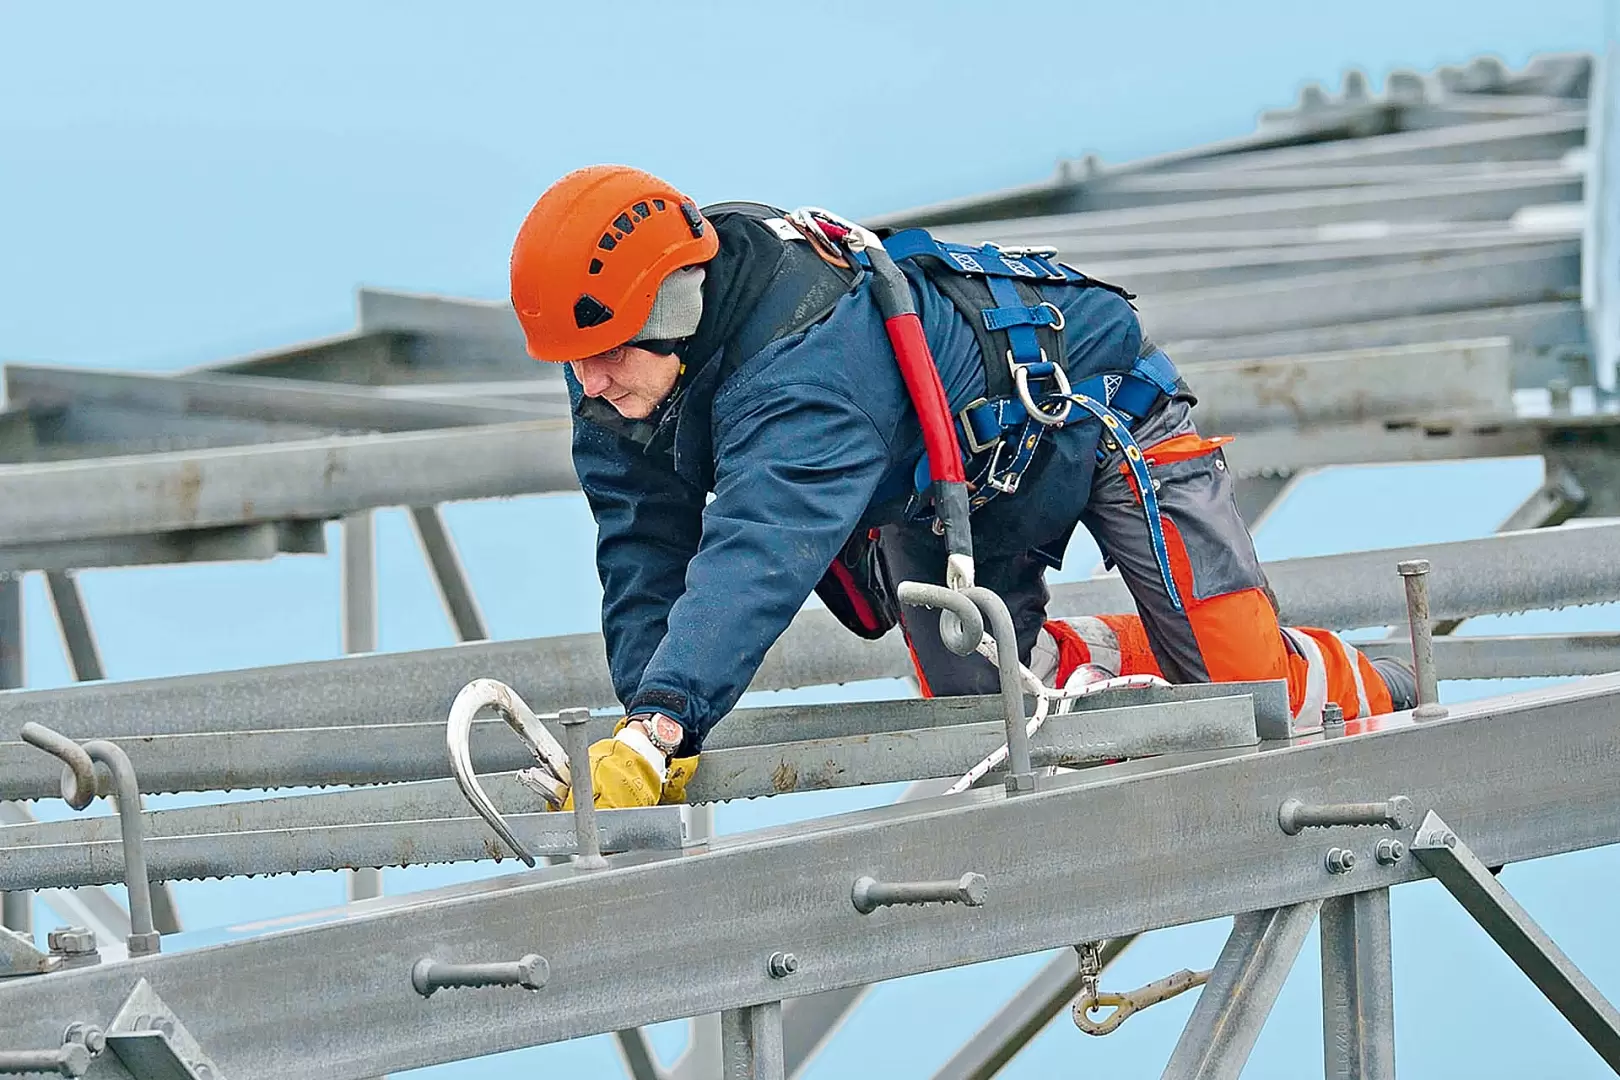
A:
<point x="1242" y="988"/>
<point x="1358" y="987"/>
<point x="1467" y="878"/>
<point x="864" y="746"/>
<point x="357" y="845"/>
<point x="1353" y="386"/>
<point x="358" y="1014"/>
<point x="319" y="478"/>
<point x="1025" y="1016"/>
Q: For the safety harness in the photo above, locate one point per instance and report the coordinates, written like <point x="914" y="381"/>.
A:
<point x="1027" y="388"/>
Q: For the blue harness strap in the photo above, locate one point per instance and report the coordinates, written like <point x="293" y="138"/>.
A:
<point x="1003" y="426"/>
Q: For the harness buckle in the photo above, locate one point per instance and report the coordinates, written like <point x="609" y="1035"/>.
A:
<point x="975" y="447"/>
<point x="1020" y="374"/>
<point x="1007" y="485"/>
<point x="1041" y="252"/>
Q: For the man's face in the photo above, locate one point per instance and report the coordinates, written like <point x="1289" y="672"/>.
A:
<point x="631" y="379"/>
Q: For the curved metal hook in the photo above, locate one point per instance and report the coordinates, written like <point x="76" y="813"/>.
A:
<point x="1125" y="1005"/>
<point x="79" y="784"/>
<point x="520" y="718"/>
<point x="961" y="634"/>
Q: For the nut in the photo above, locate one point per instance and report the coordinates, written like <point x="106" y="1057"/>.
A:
<point x="1389" y="852"/>
<point x="71" y="941"/>
<point x="783" y="964"/>
<point x="1340" y="860"/>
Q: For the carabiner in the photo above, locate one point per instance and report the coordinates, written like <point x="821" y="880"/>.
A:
<point x="520" y="718"/>
<point x="1124" y="1005"/>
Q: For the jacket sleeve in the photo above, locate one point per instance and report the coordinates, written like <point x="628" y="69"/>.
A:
<point x="648" y="521"/>
<point x="796" y="466"/>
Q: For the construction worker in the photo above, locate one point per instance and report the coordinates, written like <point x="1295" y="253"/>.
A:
<point x="736" y="352"/>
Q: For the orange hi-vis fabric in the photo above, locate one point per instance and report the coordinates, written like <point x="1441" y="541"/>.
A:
<point x="1333" y="671"/>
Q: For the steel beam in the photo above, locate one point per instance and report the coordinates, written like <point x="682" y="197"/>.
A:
<point x="16" y="910"/>
<point x="1150" y="275"/>
<point x="455" y="590"/>
<point x="1513" y="656"/>
<point x="1354" y="386"/>
<point x="1025" y="1016"/>
<point x="236" y="543"/>
<point x="1547" y="271"/>
<point x="1600" y="251"/>
<point x="1537" y="330"/>
<point x="257" y="398"/>
<point x="1242" y="988"/>
<point x="357" y="1013"/>
<point x="1513" y="572"/>
<point x="751" y="1043"/>
<point x="1493" y="199"/>
<point x="1522" y="571"/>
<point x="320" y="478"/>
<point x="877" y="753"/>
<point x="1546" y="138"/>
<point x="357" y="846"/>
<point x="77" y="634"/>
<point x="636" y="1051"/>
<point x="1469" y="880"/>
<point x="1358" y="987"/>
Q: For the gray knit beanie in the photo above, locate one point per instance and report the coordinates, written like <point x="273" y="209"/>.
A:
<point x="676" y="309"/>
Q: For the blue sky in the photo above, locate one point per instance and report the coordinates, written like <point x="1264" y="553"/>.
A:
<point x="181" y="183"/>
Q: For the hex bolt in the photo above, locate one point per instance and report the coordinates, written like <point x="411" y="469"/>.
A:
<point x="529" y="972"/>
<point x="1394" y="812"/>
<point x="75" y="945"/>
<point x="1415" y="574"/>
<point x="577" y="743"/>
<point x="202" y="1070"/>
<point x="1332" y="720"/>
<point x="782" y="964"/>
<point x="1389" y="852"/>
<point x="1340" y="860"/>
<point x="70" y="1059"/>
<point x="88" y="1036"/>
<point x="870" y="894"/>
<point x="161" y="1024"/>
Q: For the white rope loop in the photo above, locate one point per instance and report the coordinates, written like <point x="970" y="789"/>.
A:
<point x="1045" y="696"/>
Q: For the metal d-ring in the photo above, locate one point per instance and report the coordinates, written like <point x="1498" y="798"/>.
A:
<point x="1040" y="415"/>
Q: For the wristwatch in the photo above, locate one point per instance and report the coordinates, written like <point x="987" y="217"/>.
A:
<point x="662" y="732"/>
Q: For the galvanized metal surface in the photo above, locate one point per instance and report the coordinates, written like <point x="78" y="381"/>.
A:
<point x="789" y="889"/>
<point x="320" y="478"/>
<point x="865" y="749"/>
<point x="1444" y="854"/>
<point x="1358" y="987"/>
<point x="1242" y="988"/>
<point x="1024" y="1016"/>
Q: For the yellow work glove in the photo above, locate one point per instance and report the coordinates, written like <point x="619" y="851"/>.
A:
<point x="620" y="777"/>
<point x="680" y="771"/>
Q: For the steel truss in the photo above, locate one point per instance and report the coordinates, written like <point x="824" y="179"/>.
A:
<point x="1460" y="223"/>
<point x="1053" y="878"/>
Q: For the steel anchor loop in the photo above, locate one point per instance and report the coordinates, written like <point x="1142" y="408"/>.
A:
<point x="476" y="695"/>
<point x="1125" y="1005"/>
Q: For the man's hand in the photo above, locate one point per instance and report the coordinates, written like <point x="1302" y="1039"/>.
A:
<point x="621" y="777"/>
<point x="629" y="770"/>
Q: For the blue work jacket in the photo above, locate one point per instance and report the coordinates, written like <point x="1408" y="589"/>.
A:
<point x="803" y="442"/>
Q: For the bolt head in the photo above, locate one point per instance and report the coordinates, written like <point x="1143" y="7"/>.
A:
<point x="783" y="964"/>
<point x="88" y="1036"/>
<point x="574" y="716"/>
<point x="161" y="1024"/>
<point x="71" y="941"/>
<point x="1412" y="567"/>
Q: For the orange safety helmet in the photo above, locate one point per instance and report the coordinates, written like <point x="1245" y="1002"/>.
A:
<point x="589" y="258"/>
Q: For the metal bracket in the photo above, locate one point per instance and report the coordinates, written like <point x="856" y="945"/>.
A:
<point x="152" y="1043"/>
<point x="20" y="956"/>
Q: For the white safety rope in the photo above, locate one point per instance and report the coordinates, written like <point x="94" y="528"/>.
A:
<point x="1045" y="696"/>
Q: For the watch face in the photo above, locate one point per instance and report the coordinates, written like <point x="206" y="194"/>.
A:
<point x="665" y="732"/>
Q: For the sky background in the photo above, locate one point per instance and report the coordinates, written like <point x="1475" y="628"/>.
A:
<point x="184" y="183"/>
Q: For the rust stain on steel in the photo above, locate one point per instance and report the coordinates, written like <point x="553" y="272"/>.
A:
<point x="784" y="778"/>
